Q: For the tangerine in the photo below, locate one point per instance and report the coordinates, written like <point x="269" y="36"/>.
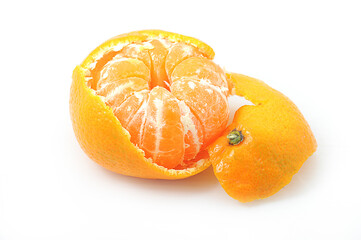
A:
<point x="153" y="104"/>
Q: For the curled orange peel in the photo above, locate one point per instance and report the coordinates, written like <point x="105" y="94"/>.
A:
<point x="276" y="141"/>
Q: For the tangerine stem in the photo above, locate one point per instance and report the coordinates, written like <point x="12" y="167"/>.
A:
<point x="235" y="137"/>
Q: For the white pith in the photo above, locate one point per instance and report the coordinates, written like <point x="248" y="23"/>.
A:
<point x="166" y="43"/>
<point x="158" y="124"/>
<point x="191" y="85"/>
<point x="205" y="82"/>
<point x="142" y="125"/>
<point x="188" y="124"/>
<point x="187" y="51"/>
<point x="119" y="89"/>
<point x="139" y="94"/>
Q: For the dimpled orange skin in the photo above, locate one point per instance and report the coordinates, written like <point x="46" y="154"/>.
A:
<point x="277" y="141"/>
<point x="99" y="132"/>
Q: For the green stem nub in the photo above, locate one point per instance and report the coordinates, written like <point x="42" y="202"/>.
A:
<point x="235" y="137"/>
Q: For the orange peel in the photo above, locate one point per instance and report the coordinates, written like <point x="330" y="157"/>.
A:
<point x="276" y="141"/>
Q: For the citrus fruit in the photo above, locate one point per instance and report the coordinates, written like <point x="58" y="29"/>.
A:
<point x="153" y="104"/>
<point x="265" y="145"/>
<point x="148" y="103"/>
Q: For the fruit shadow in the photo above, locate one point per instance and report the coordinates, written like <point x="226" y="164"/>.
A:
<point x="203" y="181"/>
<point x="300" y="183"/>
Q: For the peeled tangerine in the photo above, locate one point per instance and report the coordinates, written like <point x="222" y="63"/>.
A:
<point x="153" y="104"/>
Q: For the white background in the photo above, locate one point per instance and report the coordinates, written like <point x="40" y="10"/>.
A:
<point x="49" y="189"/>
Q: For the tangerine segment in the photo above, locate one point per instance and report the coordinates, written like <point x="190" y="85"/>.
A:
<point x="276" y="141"/>
<point x="193" y="133"/>
<point x="158" y="55"/>
<point x="121" y="68"/>
<point x="201" y="68"/>
<point x="162" y="137"/>
<point x="117" y="90"/>
<point x="178" y="53"/>
<point x="206" y="102"/>
<point x="138" y="51"/>
<point x="132" y="114"/>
